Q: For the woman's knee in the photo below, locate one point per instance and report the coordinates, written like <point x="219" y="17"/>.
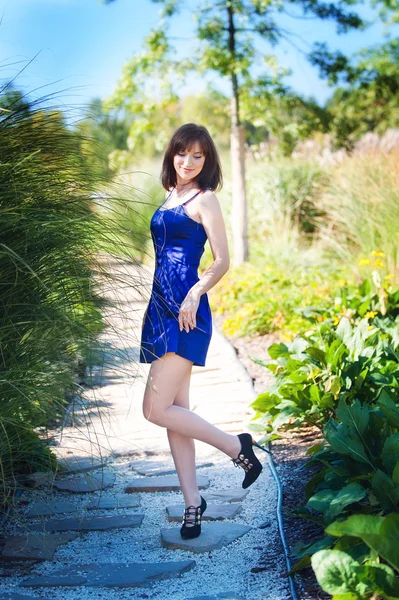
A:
<point x="152" y="413"/>
<point x="167" y="377"/>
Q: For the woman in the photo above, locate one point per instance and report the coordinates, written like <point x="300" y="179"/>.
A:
<point x="177" y="325"/>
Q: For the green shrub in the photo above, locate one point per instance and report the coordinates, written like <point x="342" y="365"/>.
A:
<point x="50" y="305"/>
<point x="343" y="377"/>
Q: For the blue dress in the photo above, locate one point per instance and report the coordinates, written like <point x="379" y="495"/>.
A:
<point x="179" y="242"/>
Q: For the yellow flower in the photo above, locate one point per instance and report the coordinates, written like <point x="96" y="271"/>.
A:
<point x="377" y="253"/>
<point x="337" y="320"/>
<point x="370" y="327"/>
<point x="370" y="314"/>
<point x="378" y="263"/>
<point x="364" y="261"/>
<point x="321" y="319"/>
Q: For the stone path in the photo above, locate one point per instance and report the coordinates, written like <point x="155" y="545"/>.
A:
<point x="108" y="525"/>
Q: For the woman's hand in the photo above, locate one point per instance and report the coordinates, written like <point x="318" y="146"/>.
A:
<point x="188" y="311"/>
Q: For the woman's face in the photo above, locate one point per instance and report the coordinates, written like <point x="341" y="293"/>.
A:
<point x="189" y="163"/>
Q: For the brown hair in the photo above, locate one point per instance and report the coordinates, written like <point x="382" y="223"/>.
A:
<point x="183" y="139"/>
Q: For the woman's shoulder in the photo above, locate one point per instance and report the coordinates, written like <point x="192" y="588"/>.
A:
<point x="209" y="203"/>
<point x="208" y="196"/>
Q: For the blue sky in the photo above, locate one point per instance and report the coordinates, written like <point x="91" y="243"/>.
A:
<point x="78" y="47"/>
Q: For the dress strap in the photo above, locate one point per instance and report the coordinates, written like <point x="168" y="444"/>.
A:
<point x="192" y="198"/>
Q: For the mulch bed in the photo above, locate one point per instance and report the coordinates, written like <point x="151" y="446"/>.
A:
<point x="289" y="454"/>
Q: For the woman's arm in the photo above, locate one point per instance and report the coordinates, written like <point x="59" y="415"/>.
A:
<point x="210" y="213"/>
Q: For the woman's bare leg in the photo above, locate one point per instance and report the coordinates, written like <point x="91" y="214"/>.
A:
<point x="165" y="378"/>
<point x="183" y="451"/>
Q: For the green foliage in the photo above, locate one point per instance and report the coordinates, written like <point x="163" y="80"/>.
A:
<point x="369" y="100"/>
<point x="50" y="306"/>
<point x="347" y="579"/>
<point x="260" y="300"/>
<point x="225" y="33"/>
<point x="317" y="373"/>
<point x="99" y="135"/>
<point x="344" y="379"/>
<point x="338" y="573"/>
<point x="281" y="113"/>
<point x="285" y="194"/>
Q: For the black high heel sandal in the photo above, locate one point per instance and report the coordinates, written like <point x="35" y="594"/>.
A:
<point x="194" y="529"/>
<point x="248" y="460"/>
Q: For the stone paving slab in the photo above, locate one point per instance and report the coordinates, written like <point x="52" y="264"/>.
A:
<point x="90" y="482"/>
<point x="153" y="468"/>
<point x="117" y="501"/>
<point x="169" y="483"/>
<point x="34" y="546"/>
<point x="233" y="495"/>
<point x="213" y="536"/>
<point x="102" y="523"/>
<point x="118" y="575"/>
<point x="42" y="508"/>
<point x="80" y="464"/>
<point x="216" y="512"/>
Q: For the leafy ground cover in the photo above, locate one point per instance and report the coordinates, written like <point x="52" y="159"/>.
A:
<point x="343" y="378"/>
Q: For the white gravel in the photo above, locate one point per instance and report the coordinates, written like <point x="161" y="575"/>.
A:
<point x="226" y="569"/>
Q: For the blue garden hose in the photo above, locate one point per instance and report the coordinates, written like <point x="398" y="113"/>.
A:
<point x="280" y="521"/>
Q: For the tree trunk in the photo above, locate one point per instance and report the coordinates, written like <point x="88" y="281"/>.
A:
<point x="239" y="209"/>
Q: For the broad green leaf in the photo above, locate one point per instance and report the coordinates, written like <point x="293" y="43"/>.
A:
<point x="314" y="393"/>
<point x="381" y="534"/>
<point x="298" y="346"/>
<point x="361" y="378"/>
<point x="356" y="525"/>
<point x="308" y="549"/>
<point x="301" y="564"/>
<point x="333" y="385"/>
<point x="354" y="416"/>
<point x="305" y="513"/>
<point x="277" y="350"/>
<point x="265" y="401"/>
<point x="316" y="448"/>
<point x="381" y="379"/>
<point x="395" y="474"/>
<point x="344" y="331"/>
<point x="343" y="441"/>
<point x="336" y="354"/>
<point x="335" y="572"/>
<point x="317" y="354"/>
<point x="353" y="492"/>
<point x="389" y="408"/>
<point x="321" y="500"/>
<point x="390" y="452"/>
<point x="299" y="376"/>
<point x="385" y="490"/>
<point x="327" y="401"/>
<point x="313" y="482"/>
<point x="354" y="546"/>
<point x="379" y="578"/>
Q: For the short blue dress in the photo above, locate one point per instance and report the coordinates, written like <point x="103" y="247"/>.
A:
<point x="179" y="242"/>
